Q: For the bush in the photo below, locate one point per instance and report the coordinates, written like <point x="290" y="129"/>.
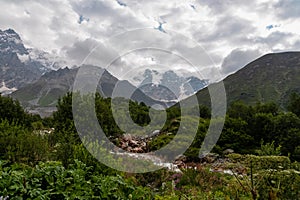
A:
<point x="17" y="144"/>
<point x="269" y="149"/>
<point x="50" y="180"/>
<point x="261" y="162"/>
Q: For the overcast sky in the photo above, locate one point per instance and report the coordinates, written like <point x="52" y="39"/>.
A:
<point x="230" y="33"/>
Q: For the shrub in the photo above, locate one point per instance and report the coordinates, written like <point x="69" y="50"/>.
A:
<point x="261" y="162"/>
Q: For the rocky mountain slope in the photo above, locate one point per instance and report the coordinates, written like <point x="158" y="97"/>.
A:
<point x="13" y="72"/>
<point x="20" y="65"/>
<point x="42" y="95"/>
<point x="168" y="85"/>
<point x="33" y="73"/>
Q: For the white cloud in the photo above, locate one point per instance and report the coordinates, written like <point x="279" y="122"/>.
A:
<point x="288" y="9"/>
<point x="237" y="59"/>
<point x="224" y="29"/>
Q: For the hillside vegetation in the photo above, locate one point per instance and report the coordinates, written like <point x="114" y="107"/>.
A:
<point x="270" y="78"/>
<point x="45" y="158"/>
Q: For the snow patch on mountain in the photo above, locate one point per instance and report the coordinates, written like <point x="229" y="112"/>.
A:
<point x="10" y="42"/>
<point x="23" y="57"/>
<point x="168" y="85"/>
<point x="50" y="60"/>
<point x="4" y="90"/>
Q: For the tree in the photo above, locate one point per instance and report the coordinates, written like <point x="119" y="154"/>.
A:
<point x="271" y="108"/>
<point x="290" y="142"/>
<point x="262" y="127"/>
<point x="294" y="104"/>
<point x="235" y="136"/>
<point x="11" y="111"/>
<point x="239" y="109"/>
<point x="63" y="117"/>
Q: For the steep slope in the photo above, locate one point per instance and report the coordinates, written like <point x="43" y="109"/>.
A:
<point x="272" y="77"/>
<point x="13" y="72"/>
<point x="43" y="94"/>
<point x="20" y="65"/>
<point x="46" y="90"/>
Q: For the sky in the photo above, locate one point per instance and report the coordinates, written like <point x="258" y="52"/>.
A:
<point x="212" y="37"/>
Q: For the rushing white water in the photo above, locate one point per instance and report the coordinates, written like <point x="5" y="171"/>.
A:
<point x="155" y="160"/>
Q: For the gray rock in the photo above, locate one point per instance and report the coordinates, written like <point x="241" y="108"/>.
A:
<point x="228" y="151"/>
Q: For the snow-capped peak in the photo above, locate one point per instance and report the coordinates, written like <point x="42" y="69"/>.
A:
<point x="168" y="85"/>
<point x="10" y="41"/>
<point x="50" y="61"/>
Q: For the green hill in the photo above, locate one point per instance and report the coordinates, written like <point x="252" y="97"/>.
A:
<point x="270" y="78"/>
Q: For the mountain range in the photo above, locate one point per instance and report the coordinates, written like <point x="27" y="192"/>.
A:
<point x="13" y="72"/>
<point x="42" y="95"/>
<point x="168" y="85"/>
<point x="20" y="65"/>
<point x="37" y="79"/>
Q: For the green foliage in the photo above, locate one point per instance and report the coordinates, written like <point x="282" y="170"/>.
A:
<point x="269" y="177"/>
<point x="201" y="183"/>
<point x="246" y="126"/>
<point x="139" y="113"/>
<point x="18" y="144"/>
<point x="235" y="136"/>
<point x="287" y="133"/>
<point x="63" y="117"/>
<point x="78" y="175"/>
<point x="50" y="180"/>
<point x="204" y="111"/>
<point x="294" y="104"/>
<point x="283" y="184"/>
<point x="160" y="142"/>
<point x="261" y="162"/>
<point x="12" y="111"/>
<point x="240" y="110"/>
<point x="262" y="127"/>
<point x="296" y="154"/>
<point x="270" y="108"/>
<point x="268" y="149"/>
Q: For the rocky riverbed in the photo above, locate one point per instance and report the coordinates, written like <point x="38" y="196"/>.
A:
<point x="137" y="146"/>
